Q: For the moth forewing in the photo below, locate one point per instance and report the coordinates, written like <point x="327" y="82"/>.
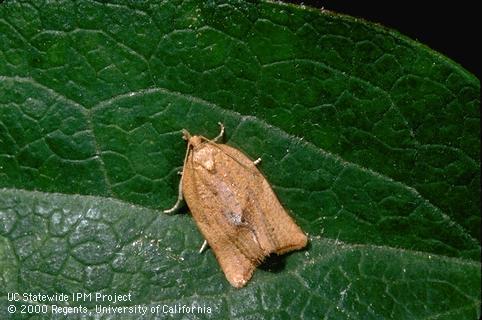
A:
<point x="235" y="208"/>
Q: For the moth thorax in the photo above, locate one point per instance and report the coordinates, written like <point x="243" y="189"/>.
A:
<point x="204" y="156"/>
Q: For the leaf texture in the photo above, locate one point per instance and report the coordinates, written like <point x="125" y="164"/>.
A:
<point x="369" y="139"/>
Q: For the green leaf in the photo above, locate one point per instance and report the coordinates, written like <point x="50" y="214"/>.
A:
<point x="83" y="244"/>
<point x="370" y="140"/>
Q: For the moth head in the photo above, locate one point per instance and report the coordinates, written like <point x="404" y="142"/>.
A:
<point x="191" y="140"/>
<point x="195" y="141"/>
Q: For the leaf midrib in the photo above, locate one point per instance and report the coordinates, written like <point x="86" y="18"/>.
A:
<point x="334" y="242"/>
<point x="105" y="103"/>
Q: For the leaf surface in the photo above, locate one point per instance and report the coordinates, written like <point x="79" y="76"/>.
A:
<point x="370" y="140"/>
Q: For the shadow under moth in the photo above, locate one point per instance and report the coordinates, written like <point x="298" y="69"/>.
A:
<point x="234" y="207"/>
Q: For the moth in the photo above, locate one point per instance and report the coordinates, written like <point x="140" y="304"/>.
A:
<point x="234" y="207"/>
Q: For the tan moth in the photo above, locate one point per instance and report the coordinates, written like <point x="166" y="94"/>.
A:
<point x="234" y="207"/>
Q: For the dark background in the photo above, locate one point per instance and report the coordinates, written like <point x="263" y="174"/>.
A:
<point x="448" y="28"/>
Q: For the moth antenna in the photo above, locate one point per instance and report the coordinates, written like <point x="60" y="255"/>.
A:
<point x="178" y="202"/>
<point x="255" y="162"/>
<point x="221" y="133"/>
<point x="186" y="136"/>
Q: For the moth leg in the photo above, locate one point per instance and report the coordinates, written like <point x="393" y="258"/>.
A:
<point x="179" y="199"/>
<point x="204" y="246"/>
<point x="257" y="161"/>
<point x="221" y="133"/>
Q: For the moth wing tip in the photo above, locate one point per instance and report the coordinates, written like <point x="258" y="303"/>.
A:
<point x="297" y="242"/>
<point x="238" y="270"/>
<point x="239" y="281"/>
<point x="301" y="242"/>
